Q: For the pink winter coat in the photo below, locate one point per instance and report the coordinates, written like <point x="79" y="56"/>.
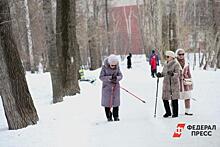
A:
<point x="185" y="74"/>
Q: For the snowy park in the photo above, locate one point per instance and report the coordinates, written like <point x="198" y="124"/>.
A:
<point x="80" y="120"/>
<point x="109" y="73"/>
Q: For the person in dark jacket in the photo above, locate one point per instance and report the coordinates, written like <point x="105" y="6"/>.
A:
<point x="154" y="62"/>
<point x="129" y="61"/>
<point x="171" y="84"/>
<point x="110" y="76"/>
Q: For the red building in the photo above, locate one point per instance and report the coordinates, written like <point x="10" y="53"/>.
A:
<point x="125" y="31"/>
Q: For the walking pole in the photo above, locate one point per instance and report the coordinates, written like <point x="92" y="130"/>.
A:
<point x="155" y="110"/>
<point x="132" y="94"/>
<point x="111" y="98"/>
<point x="171" y="94"/>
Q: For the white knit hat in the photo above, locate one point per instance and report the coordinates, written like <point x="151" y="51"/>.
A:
<point x="113" y="60"/>
<point x="178" y="50"/>
<point x="170" y="54"/>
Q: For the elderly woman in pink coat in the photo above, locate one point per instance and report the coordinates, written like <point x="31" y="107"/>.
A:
<point x="185" y="80"/>
<point x="110" y="76"/>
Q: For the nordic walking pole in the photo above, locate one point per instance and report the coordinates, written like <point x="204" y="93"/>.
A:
<point x="171" y="93"/>
<point x="155" y="110"/>
<point x="111" y="98"/>
<point x="132" y="94"/>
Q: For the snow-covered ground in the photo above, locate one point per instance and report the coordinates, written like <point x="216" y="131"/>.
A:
<point x="79" y="121"/>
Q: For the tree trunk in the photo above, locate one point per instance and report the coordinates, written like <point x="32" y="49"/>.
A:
<point x="52" y="53"/>
<point x="29" y="36"/>
<point x="216" y="42"/>
<point x="94" y="51"/>
<point x="95" y="55"/>
<point x="108" y="51"/>
<point x="165" y="27"/>
<point x="68" y="50"/>
<point x="20" y="22"/>
<point x="73" y="62"/>
<point x="202" y="60"/>
<point x="218" y="59"/>
<point x="172" y="27"/>
<point x="18" y="104"/>
<point x="141" y="26"/>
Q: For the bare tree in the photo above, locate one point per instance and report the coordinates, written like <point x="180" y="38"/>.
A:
<point x="68" y="49"/>
<point x="55" y="70"/>
<point x="128" y="27"/>
<point x="29" y="36"/>
<point x="18" y="104"/>
<point x="107" y="26"/>
<point x="93" y="37"/>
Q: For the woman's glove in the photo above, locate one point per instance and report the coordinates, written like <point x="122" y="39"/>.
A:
<point x="159" y="75"/>
<point x="170" y="73"/>
<point x="113" y="79"/>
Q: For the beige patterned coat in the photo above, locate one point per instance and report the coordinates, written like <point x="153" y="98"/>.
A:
<point x="175" y="83"/>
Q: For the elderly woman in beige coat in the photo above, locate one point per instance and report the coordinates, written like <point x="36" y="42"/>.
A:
<point x="186" y="86"/>
<point x="171" y="84"/>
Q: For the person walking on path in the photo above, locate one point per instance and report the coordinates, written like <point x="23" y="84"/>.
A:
<point x="171" y="84"/>
<point x="186" y="86"/>
<point x="110" y="76"/>
<point x="154" y="62"/>
<point x="129" y="61"/>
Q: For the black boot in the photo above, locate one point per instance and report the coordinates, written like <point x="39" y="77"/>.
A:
<point x="175" y="108"/>
<point x="115" y="113"/>
<point x="167" y="108"/>
<point x="116" y="119"/>
<point x="108" y="114"/>
<point x="188" y="114"/>
<point x="109" y="119"/>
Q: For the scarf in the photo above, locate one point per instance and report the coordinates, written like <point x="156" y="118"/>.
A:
<point x="182" y="62"/>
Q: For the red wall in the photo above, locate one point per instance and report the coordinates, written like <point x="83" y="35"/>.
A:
<point x="118" y="22"/>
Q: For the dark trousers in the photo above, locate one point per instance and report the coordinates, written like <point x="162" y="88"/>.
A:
<point x="109" y="113"/>
<point x="153" y="72"/>
<point x="174" y="107"/>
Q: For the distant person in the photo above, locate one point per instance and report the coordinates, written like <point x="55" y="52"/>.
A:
<point x="186" y="86"/>
<point x="110" y="76"/>
<point x="81" y="73"/>
<point x="129" y="61"/>
<point x="171" y="84"/>
<point x="82" y="76"/>
<point x="154" y="62"/>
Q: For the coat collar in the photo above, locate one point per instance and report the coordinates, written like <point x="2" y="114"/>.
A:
<point x="186" y="64"/>
<point x="171" y="63"/>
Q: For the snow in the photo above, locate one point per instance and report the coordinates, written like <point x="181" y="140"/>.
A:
<point x="80" y="120"/>
<point x="125" y="2"/>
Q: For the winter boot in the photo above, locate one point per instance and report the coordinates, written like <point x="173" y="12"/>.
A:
<point x="108" y="113"/>
<point x="175" y="108"/>
<point x="187" y="112"/>
<point x="109" y="119"/>
<point x="116" y="119"/>
<point x="115" y="113"/>
<point x="167" y="108"/>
